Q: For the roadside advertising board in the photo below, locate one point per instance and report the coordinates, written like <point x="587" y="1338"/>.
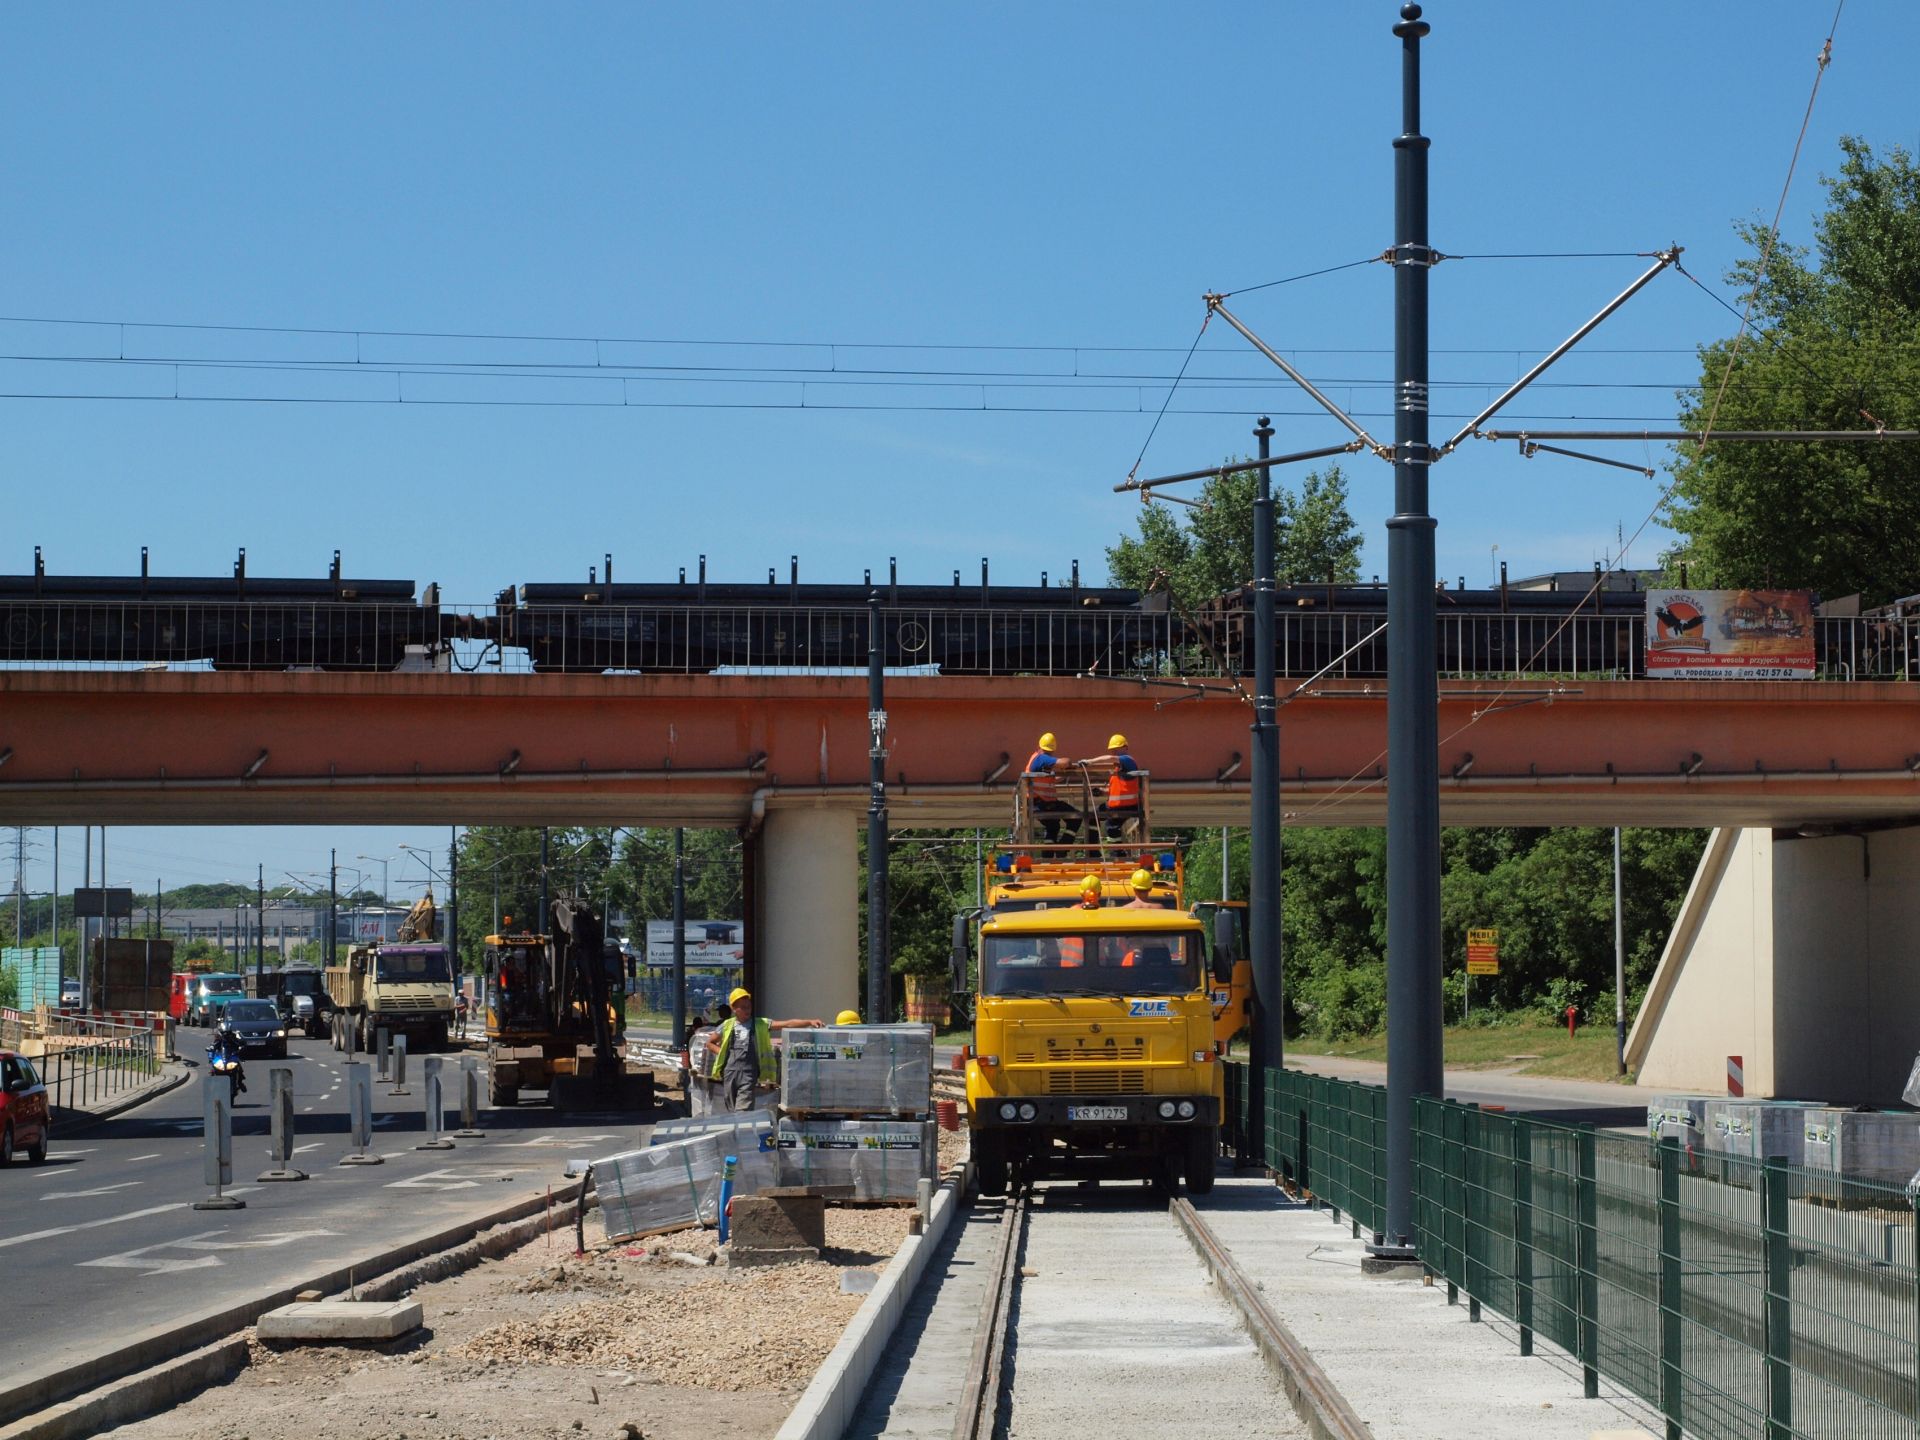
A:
<point x="710" y="945"/>
<point x="1730" y="634"/>
<point x="1483" y="952"/>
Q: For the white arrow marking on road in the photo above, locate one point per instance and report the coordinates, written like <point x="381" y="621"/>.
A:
<point x="144" y="1258"/>
<point x="12" y="1240"/>
<point x="271" y="1241"/>
<point x="444" y="1180"/>
<point x="556" y="1141"/>
<point x="97" y="1190"/>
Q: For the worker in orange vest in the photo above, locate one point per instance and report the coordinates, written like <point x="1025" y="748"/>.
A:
<point x="1122" y="804"/>
<point x="1043" y="788"/>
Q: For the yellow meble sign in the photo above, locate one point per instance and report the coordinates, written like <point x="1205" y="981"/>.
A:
<point x="1483" y="952"/>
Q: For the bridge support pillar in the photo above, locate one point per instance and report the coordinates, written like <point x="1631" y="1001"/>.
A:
<point x="809" y="899"/>
<point x="1799" y="951"/>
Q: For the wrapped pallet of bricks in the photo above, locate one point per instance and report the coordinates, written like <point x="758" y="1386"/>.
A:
<point x="879" y="1159"/>
<point x="1875" y="1145"/>
<point x="1678" y="1117"/>
<point x="702" y="1093"/>
<point x="857" y="1070"/>
<point x="665" y="1187"/>
<point x="1756" y="1130"/>
<point x="747" y="1136"/>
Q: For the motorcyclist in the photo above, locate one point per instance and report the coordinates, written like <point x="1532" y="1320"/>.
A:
<point x="223" y="1055"/>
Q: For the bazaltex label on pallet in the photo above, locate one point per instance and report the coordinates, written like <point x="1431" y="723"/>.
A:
<point x="882" y="1160"/>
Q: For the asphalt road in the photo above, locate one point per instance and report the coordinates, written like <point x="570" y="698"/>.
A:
<point x="102" y="1242"/>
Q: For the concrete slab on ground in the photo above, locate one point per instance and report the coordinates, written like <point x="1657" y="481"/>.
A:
<point x="1412" y="1366"/>
<point x="328" y="1321"/>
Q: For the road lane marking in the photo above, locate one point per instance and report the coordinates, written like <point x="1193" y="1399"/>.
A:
<point x="302" y="1149"/>
<point x="97" y="1190"/>
<point x="555" y="1141"/>
<point x="144" y="1259"/>
<point x="447" y="1180"/>
<point x="154" y="1156"/>
<point x="6" y="1242"/>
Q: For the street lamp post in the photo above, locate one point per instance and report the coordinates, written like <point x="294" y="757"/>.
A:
<point x="381" y="861"/>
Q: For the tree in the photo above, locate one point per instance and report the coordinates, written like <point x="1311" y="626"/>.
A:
<point x="1838" y="348"/>
<point x="1315" y="538"/>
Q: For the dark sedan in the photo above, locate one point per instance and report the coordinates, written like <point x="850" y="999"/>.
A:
<point x="257" y="1024"/>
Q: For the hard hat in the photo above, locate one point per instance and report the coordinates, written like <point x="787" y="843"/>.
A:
<point x="1048" y="743"/>
<point x="739" y="993"/>
<point x="1118" y="742"/>
<point x="1092" y="882"/>
<point x="1140" y="880"/>
<point x="847" y="1017"/>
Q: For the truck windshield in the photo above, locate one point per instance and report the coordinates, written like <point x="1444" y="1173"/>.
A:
<point x="300" y="982"/>
<point x="1151" y="963"/>
<point x="412" y="967"/>
<point x="223" y="985"/>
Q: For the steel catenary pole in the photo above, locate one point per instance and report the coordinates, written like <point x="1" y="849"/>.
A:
<point x="1268" y="1040"/>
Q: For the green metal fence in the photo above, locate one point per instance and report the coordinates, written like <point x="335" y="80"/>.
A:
<point x="1738" y="1298"/>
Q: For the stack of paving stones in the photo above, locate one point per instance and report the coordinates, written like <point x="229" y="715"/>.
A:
<point x="855" y="1112"/>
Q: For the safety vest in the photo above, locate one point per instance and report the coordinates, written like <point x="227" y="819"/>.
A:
<point x="1042" y="784"/>
<point x="1073" y="952"/>
<point x="762" y="1044"/>
<point x="1123" y="790"/>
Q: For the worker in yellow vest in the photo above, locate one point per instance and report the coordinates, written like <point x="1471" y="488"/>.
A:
<point x="745" y="1067"/>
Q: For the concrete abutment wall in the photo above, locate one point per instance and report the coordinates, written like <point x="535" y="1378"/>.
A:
<point x="809" y="913"/>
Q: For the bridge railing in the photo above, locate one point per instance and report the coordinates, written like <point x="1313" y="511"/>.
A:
<point x="1738" y="1297"/>
<point x="961" y="639"/>
<point x="89" y="1062"/>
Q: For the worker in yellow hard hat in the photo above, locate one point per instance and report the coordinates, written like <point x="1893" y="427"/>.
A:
<point x="745" y="1069"/>
<point x="1042" y="776"/>
<point x="1141" y="883"/>
<point x="1122" y="805"/>
<point x="1091" y="893"/>
<point x="847" y="1017"/>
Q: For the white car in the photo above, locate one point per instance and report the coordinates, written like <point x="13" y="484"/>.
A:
<point x="69" y="994"/>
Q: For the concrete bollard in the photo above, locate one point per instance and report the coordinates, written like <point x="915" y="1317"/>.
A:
<point x="280" y="1119"/>
<point x="349" y="1036"/>
<point x="360" y="1114"/>
<point x="436" y="1109"/>
<point x="469" y="1098"/>
<point x="216" y="1108"/>
<point x="398" y="1060"/>
<point x="383" y="1040"/>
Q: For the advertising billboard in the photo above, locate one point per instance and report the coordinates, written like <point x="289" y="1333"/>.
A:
<point x="711" y="944"/>
<point x="1730" y="634"/>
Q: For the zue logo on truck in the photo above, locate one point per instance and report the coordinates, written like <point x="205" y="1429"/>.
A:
<point x="1149" y="1007"/>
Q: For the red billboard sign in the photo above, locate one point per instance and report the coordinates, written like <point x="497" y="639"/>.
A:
<point x="1730" y="634"/>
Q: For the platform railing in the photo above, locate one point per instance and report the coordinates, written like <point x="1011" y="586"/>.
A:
<point x="1739" y="1298"/>
<point x="86" y="1063"/>
<point x="959" y="640"/>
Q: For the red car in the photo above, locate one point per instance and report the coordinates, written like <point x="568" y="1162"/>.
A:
<point x="23" y="1109"/>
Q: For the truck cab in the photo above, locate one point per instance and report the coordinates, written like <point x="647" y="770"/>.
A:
<point x="406" y="988"/>
<point x="1093" y="1052"/>
<point x="209" y="994"/>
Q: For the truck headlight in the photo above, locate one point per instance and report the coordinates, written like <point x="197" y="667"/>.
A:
<point x="1166" y="1109"/>
<point x="1186" y="1109"/>
<point x="1009" y="1110"/>
<point x="1027" y="1112"/>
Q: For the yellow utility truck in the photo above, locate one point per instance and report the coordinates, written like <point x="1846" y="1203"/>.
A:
<point x="1093" y="1052"/>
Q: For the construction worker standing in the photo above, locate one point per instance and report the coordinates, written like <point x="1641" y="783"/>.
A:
<point x="743" y="1064"/>
<point x="1043" y="788"/>
<point x="1122" y="805"/>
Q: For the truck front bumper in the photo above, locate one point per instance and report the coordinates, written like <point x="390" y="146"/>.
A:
<point x="1091" y="1112"/>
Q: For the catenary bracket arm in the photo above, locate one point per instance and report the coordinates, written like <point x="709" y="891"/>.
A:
<point x="1214" y="305"/>
<point x="1662" y="259"/>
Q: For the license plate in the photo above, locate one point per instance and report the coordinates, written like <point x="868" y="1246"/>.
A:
<point x="1096" y="1112"/>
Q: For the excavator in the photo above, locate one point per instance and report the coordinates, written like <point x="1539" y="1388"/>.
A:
<point x="555" y="1016"/>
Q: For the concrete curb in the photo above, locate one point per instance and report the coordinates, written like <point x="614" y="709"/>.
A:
<point x="827" y="1407"/>
<point x="137" y="1396"/>
<point x="1315" y="1398"/>
<point x="77" y="1391"/>
<point x="78" y="1122"/>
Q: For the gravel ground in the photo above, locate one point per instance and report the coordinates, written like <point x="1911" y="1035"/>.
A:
<point x="626" y="1341"/>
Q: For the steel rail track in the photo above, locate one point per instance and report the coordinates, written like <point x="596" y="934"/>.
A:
<point x="981" y="1397"/>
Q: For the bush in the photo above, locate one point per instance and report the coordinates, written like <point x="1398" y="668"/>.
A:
<point x="1562" y="992"/>
<point x="1347" y="1002"/>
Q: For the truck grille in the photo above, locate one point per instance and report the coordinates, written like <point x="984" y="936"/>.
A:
<point x="1081" y="1055"/>
<point x="1090" y="1081"/>
<point x="407" y="1002"/>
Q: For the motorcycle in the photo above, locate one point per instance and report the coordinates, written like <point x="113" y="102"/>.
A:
<point x="223" y="1058"/>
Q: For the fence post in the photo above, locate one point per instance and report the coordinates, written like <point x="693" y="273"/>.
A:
<point x="1452" y="1219"/>
<point x="280" y="1121"/>
<point x="1523" y="1232"/>
<point x="1670" y="1286"/>
<point x="1474" y="1164"/>
<point x="1589" y="1260"/>
<point x="1779" y="1227"/>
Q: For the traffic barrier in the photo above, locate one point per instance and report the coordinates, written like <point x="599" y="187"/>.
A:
<point x="469" y="1098"/>
<point x="216" y="1109"/>
<point x="360" y="1114"/>
<point x="383" y="1041"/>
<point x="280" y="1122"/>
<point x="435" y="1106"/>
<point x="397" y="1058"/>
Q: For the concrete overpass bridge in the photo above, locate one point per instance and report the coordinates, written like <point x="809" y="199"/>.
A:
<point x="783" y="759"/>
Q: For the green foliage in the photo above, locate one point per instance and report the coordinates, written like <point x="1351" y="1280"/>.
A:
<point x="1212" y="552"/>
<point x="1839" y="349"/>
<point x="9" y="987"/>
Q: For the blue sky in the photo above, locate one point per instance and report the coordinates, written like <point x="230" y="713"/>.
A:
<point x="1006" y="213"/>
